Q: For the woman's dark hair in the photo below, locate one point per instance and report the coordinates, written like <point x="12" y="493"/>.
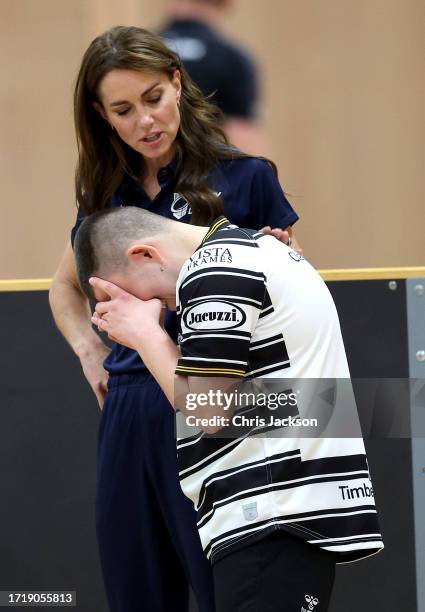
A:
<point x="103" y="158"/>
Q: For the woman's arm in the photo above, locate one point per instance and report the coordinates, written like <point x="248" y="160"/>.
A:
<point x="71" y="311"/>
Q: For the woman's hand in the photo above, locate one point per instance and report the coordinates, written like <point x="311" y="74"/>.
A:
<point x="125" y="318"/>
<point x="283" y="235"/>
<point x="71" y="312"/>
<point x="95" y="373"/>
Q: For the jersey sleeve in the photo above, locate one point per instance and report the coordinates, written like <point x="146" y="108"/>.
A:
<point x="268" y="203"/>
<point x="218" y="311"/>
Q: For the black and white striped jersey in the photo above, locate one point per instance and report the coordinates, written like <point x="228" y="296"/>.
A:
<point x="251" y="307"/>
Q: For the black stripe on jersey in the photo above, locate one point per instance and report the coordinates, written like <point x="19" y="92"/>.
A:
<point x="267" y="305"/>
<point x="200" y="344"/>
<point x="268" y="370"/>
<point x="212" y="283"/>
<point x="236" y="240"/>
<point x="282" y="474"/>
<point x="221" y="270"/>
<point x="293" y="454"/>
<point x="266" y="311"/>
<point x="216" y="349"/>
<point x="230" y="232"/>
<point x="273" y="354"/>
<point x="204" y="451"/>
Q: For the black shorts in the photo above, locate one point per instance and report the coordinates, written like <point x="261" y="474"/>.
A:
<point x="280" y="573"/>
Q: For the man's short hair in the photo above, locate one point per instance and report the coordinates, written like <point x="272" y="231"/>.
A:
<point x="103" y="238"/>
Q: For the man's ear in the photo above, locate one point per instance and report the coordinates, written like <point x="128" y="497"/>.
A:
<point x="138" y="253"/>
<point x="99" y="108"/>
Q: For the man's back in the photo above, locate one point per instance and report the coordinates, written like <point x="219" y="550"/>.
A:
<point x="291" y="329"/>
<point x="251" y="307"/>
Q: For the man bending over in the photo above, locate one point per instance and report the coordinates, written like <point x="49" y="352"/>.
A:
<point x="274" y="513"/>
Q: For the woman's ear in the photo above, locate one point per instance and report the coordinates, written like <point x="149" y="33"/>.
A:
<point x="176" y="81"/>
<point x="99" y="108"/>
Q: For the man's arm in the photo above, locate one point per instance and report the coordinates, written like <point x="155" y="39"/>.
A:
<point x="136" y="324"/>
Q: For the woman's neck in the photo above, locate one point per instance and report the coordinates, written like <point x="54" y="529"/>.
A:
<point x="152" y="166"/>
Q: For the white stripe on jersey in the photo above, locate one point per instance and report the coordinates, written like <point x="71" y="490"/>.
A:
<point x="203" y="335"/>
<point x="198" y="276"/>
<point x="211" y="359"/>
<point x="267" y="367"/>
<point x="225" y="297"/>
<point x="264" y="344"/>
<point x="366" y="535"/>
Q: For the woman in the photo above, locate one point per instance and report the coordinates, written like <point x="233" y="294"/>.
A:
<point x="147" y="137"/>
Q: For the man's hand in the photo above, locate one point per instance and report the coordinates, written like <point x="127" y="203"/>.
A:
<point x="125" y="318"/>
<point x="96" y="375"/>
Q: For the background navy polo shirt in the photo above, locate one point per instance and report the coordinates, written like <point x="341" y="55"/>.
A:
<point x="252" y="198"/>
<point x="216" y="65"/>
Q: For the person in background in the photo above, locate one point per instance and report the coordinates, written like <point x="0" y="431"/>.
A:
<point x="218" y="66"/>
<point x="147" y="137"/>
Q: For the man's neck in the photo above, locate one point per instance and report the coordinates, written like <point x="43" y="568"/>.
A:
<point x="186" y="239"/>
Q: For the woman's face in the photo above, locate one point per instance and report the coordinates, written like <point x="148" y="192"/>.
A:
<point x="142" y="108"/>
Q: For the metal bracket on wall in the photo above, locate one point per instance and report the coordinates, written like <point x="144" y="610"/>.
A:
<point x="415" y="289"/>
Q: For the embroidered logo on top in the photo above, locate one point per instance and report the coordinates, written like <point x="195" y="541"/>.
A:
<point x="311" y="603"/>
<point x="180" y="207"/>
<point x="214" y="315"/>
<point x="250" y="511"/>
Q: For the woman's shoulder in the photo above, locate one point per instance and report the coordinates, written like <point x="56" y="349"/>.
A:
<point x="245" y="166"/>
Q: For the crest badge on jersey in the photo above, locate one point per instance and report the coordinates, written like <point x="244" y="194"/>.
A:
<point x="295" y="255"/>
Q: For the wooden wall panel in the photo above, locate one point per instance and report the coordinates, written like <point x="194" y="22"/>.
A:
<point x="343" y="104"/>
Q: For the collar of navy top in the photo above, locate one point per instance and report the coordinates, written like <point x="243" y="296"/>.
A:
<point x="165" y="176"/>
